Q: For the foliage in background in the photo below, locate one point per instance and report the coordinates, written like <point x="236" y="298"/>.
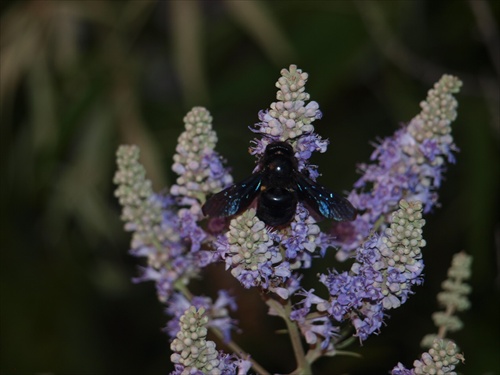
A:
<point x="77" y="78"/>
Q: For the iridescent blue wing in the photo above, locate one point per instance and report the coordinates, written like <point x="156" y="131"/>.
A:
<point x="233" y="199"/>
<point x="325" y="202"/>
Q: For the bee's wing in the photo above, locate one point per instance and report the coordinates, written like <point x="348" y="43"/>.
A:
<point x="325" y="202"/>
<point x="233" y="199"/>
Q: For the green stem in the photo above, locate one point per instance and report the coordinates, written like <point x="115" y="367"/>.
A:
<point x="313" y="354"/>
<point x="303" y="366"/>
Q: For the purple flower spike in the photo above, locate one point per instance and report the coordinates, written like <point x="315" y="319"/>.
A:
<point x="199" y="167"/>
<point x="251" y="255"/>
<point x="167" y="235"/>
<point x="386" y="267"/>
<point x="290" y="118"/>
<point x="409" y="165"/>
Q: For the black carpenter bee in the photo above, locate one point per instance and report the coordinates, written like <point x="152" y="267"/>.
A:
<point x="278" y="186"/>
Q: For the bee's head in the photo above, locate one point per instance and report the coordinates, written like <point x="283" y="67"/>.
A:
<point x="279" y="148"/>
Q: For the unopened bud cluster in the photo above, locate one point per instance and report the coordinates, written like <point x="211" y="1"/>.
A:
<point x="401" y="252"/>
<point x="431" y="129"/>
<point x="249" y="245"/>
<point x="453" y="298"/>
<point x="455" y="291"/>
<point x="198" y="166"/>
<point x="142" y="210"/>
<point x="440" y="359"/>
<point x="290" y="117"/>
<point x="190" y="347"/>
<point x="134" y="189"/>
<point x="433" y="123"/>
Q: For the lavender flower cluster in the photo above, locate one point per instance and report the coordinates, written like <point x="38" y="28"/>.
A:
<point x="408" y="165"/>
<point x="166" y="230"/>
<point x="392" y="194"/>
<point x="386" y="267"/>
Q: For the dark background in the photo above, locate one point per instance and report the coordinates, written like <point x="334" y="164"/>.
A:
<point x="79" y="78"/>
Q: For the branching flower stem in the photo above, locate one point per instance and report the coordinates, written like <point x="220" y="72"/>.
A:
<point x="283" y="311"/>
